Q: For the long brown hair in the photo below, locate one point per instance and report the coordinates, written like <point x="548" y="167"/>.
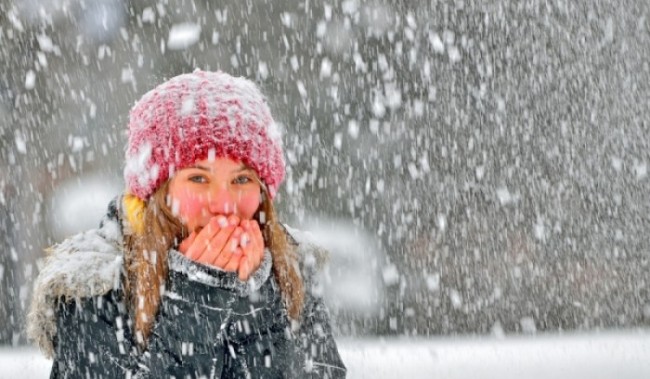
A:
<point x="147" y="267"/>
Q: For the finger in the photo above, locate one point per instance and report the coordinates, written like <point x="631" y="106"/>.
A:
<point x="255" y="259"/>
<point x="186" y="243"/>
<point x="244" y="269"/>
<point x="254" y="254"/>
<point x="222" y="221"/>
<point x="206" y="240"/>
<point x="222" y="259"/>
<point x="214" y="226"/>
<point x="233" y="220"/>
<point x="245" y="238"/>
<point x="257" y="233"/>
<point x="254" y="233"/>
<point x="203" y="238"/>
<point x="251" y="231"/>
<point x="220" y="245"/>
<point x="235" y="260"/>
<point x="197" y="249"/>
<point x="230" y="249"/>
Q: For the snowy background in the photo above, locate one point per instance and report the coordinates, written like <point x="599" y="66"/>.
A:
<point x="574" y="356"/>
<point x="477" y="168"/>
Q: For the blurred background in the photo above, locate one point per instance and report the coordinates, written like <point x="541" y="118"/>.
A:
<point x="475" y="168"/>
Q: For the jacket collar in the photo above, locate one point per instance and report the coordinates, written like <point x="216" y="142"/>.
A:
<point x="216" y="277"/>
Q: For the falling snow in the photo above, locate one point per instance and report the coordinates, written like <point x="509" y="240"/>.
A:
<point x="182" y="36"/>
<point x="473" y="168"/>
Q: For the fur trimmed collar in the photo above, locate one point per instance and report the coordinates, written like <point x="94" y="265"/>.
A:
<point x="88" y="264"/>
<point x="91" y="264"/>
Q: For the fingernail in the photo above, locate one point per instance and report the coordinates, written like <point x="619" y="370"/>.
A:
<point x="222" y="221"/>
<point x="244" y="240"/>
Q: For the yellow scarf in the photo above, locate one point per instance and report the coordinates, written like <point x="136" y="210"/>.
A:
<point x="134" y="209"/>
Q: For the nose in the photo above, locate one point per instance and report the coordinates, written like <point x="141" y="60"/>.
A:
<point x="221" y="201"/>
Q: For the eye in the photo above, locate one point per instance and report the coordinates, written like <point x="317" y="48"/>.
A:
<point x="242" y="179"/>
<point x="197" y="179"/>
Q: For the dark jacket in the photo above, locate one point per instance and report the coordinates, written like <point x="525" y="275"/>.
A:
<point x="209" y="323"/>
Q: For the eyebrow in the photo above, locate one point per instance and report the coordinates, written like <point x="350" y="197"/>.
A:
<point x="239" y="169"/>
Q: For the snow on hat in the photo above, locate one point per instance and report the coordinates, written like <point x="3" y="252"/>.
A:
<point x="199" y="115"/>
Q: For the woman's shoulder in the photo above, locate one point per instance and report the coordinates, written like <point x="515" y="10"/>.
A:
<point x="86" y="264"/>
<point x="83" y="266"/>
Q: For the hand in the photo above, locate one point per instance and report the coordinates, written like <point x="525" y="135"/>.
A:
<point x="252" y="243"/>
<point x="214" y="244"/>
<point x="227" y="243"/>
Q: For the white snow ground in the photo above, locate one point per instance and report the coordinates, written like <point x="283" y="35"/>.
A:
<point x="611" y="354"/>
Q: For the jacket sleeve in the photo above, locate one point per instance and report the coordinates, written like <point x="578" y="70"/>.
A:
<point x="92" y="339"/>
<point x="317" y="343"/>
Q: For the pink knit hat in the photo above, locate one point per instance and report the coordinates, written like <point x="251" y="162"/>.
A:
<point x="193" y="116"/>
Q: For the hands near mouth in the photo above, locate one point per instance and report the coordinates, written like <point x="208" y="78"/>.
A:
<point x="228" y="243"/>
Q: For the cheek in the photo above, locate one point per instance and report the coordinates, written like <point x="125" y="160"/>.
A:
<point x="247" y="204"/>
<point x="188" y="206"/>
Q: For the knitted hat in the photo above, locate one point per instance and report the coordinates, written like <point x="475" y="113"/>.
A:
<point x="196" y="116"/>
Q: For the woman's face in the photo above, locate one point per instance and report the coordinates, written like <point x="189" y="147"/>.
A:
<point x="209" y="188"/>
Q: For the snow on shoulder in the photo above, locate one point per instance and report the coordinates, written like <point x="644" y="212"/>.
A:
<point x="87" y="264"/>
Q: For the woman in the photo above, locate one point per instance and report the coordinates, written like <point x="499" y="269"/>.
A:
<point x="190" y="274"/>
